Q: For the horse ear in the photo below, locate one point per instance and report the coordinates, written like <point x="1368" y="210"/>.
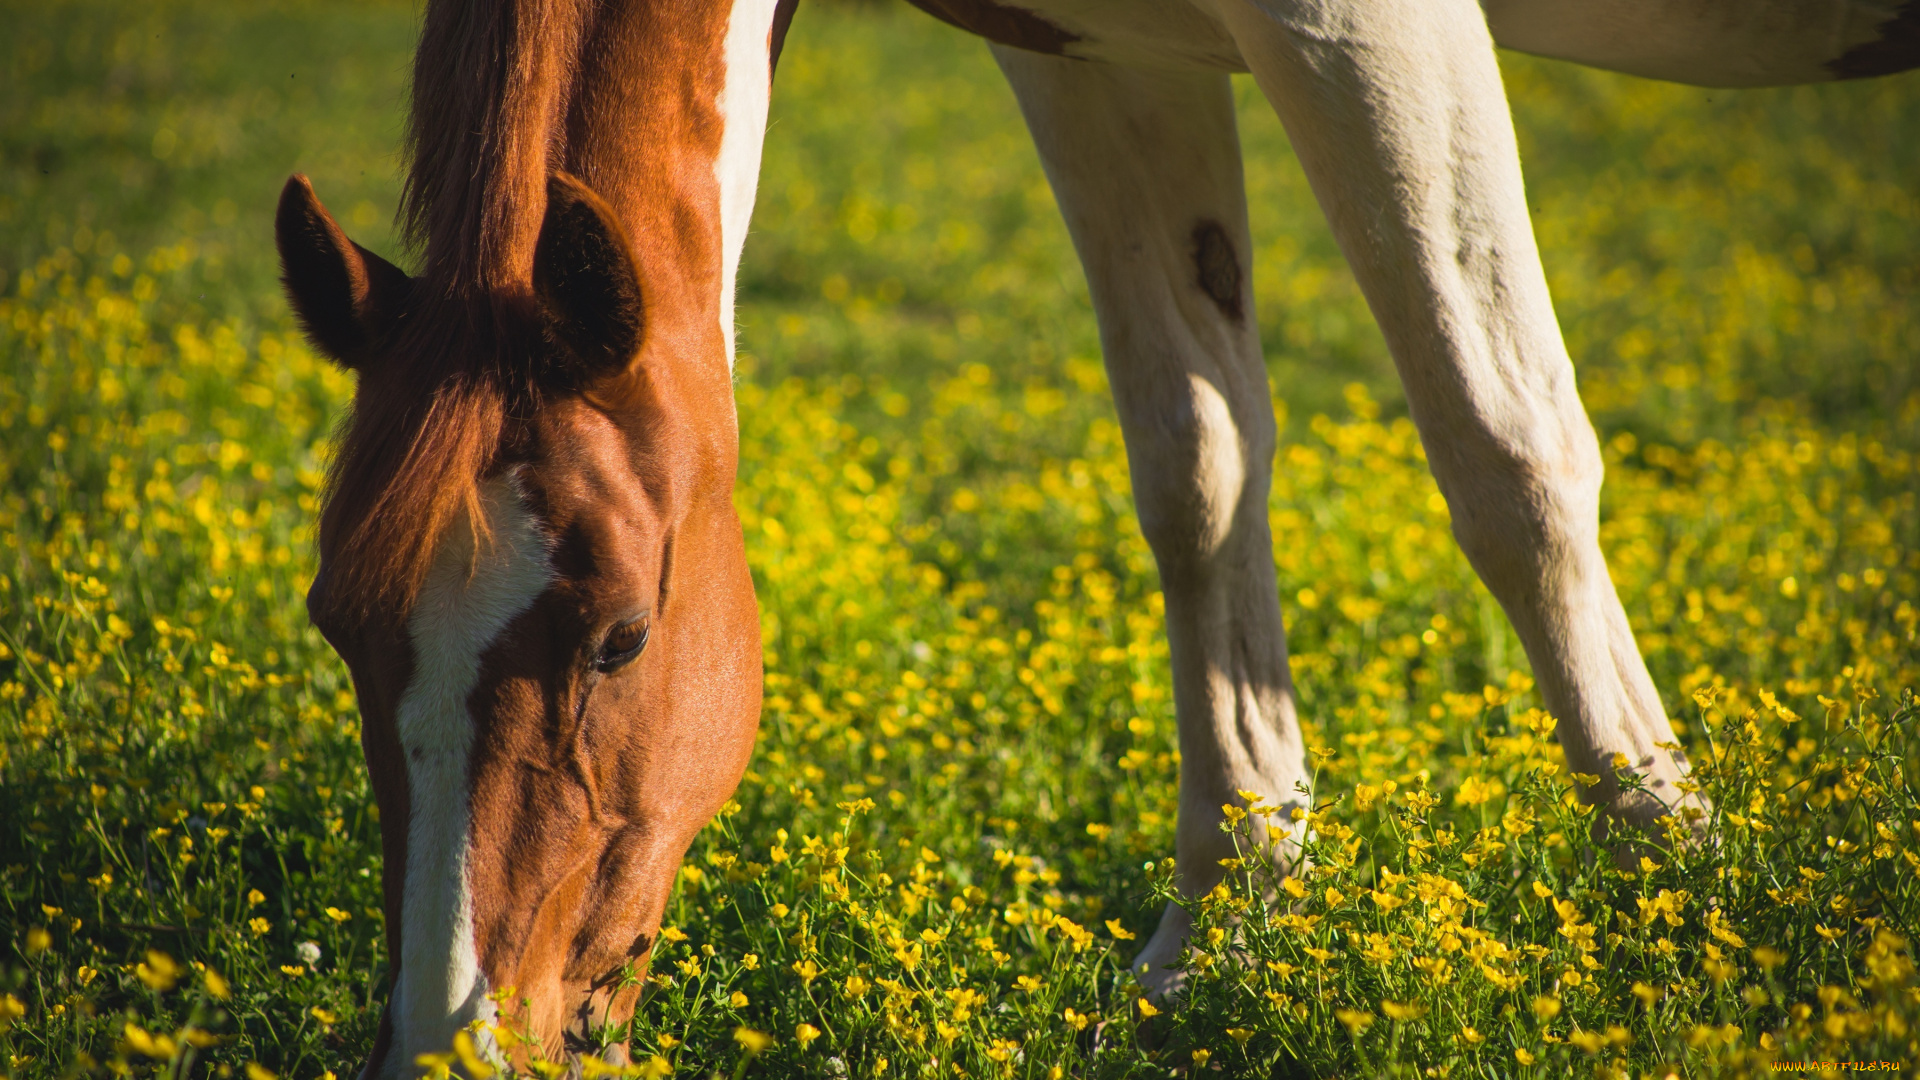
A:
<point x="345" y="295"/>
<point x="586" y="278"/>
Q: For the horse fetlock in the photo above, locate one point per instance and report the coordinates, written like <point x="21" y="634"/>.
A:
<point x="1267" y="847"/>
<point x="1641" y="824"/>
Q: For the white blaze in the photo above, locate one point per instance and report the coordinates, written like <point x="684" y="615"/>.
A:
<point x="743" y="115"/>
<point x="466" y="601"/>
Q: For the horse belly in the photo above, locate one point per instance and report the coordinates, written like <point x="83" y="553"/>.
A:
<point x="1718" y="42"/>
<point x="1149" y="33"/>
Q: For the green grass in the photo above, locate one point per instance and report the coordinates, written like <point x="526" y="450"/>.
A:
<point x="960" y="617"/>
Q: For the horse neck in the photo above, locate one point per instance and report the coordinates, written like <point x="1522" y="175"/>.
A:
<point x="659" y="106"/>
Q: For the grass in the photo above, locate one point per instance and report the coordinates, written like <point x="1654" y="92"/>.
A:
<point x="956" y="825"/>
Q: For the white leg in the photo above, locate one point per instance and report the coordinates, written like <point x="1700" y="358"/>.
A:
<point x="1146" y="167"/>
<point x="1397" y="114"/>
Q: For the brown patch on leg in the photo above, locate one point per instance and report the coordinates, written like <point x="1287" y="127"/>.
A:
<point x="1219" y="268"/>
<point x="1896" y="50"/>
<point x="1001" y="23"/>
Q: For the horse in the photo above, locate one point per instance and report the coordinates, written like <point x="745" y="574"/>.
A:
<point x="529" y="559"/>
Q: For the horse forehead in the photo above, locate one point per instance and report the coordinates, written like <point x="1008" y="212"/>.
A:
<point x="590" y="468"/>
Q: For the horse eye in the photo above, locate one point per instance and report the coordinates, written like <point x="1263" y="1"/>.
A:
<point x="623" y="643"/>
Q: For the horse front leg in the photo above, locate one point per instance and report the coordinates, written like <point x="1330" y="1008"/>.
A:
<point x="1146" y="168"/>
<point x="1398" y="117"/>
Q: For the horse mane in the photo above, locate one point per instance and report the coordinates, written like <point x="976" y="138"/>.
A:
<point x="485" y="129"/>
<point x="487" y="126"/>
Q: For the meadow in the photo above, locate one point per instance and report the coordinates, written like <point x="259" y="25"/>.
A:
<point x="957" y="824"/>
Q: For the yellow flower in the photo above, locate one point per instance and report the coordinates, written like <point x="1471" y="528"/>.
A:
<point x="1120" y="933"/>
<point x="324" y="1016"/>
<point x="38" y="941"/>
<point x="1474" y="791"/>
<point x="259" y="926"/>
<point x="1521" y="1055"/>
<point x="755" y="1042"/>
<point x="158" y="1047"/>
<point x="908" y="953"/>
<point x="673" y="934"/>
<point x="1356" y="1020"/>
<point x="1200" y="1057"/>
<point x="806" y="1033"/>
<point x="738" y="1000"/>
<point x="1146" y="1007"/>
<point x="216" y="985"/>
<point x="255" y="897"/>
<point x="159" y="972"/>
<point x="1546" y="1007"/>
<point x="1472" y="1036"/>
<point x="778" y="911"/>
<point x="1239" y="1035"/>
<point x="1396" y="1010"/>
<point x="750" y="961"/>
<point x="1028" y="983"/>
<point x="1716" y="925"/>
<point x="337" y="915"/>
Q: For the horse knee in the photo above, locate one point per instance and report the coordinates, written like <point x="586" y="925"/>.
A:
<point x="1523" y="507"/>
<point x="1200" y="464"/>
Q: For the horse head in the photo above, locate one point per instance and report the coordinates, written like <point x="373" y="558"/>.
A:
<point x="531" y="564"/>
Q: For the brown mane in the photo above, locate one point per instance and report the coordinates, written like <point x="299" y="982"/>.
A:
<point x="483" y="133"/>
<point x="485" y="130"/>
